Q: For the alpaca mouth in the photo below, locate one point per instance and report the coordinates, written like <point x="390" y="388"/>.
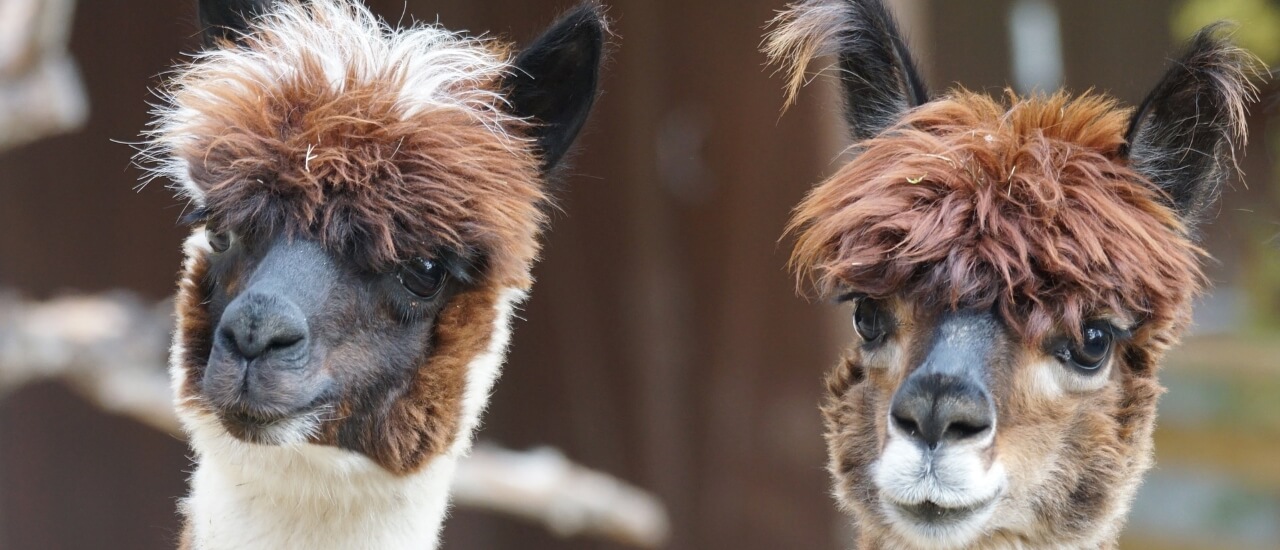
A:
<point x="934" y="514"/>
<point x="250" y="418"/>
<point x="269" y="428"/>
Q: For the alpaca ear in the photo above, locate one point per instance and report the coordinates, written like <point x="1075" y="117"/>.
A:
<point x="228" y="20"/>
<point x="555" y="79"/>
<point x="1184" y="135"/>
<point x="877" y="73"/>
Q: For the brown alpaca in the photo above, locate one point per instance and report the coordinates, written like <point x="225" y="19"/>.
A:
<point x="1017" y="270"/>
<point x="367" y="203"/>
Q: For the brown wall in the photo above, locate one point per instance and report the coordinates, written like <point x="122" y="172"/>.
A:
<point x="664" y="342"/>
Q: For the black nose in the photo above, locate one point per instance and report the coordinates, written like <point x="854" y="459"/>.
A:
<point x="260" y="325"/>
<point x="935" y="408"/>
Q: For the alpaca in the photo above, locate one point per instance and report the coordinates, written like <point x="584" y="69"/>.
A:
<point x="1017" y="268"/>
<point x="367" y="203"/>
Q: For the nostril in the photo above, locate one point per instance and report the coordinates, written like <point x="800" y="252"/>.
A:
<point x="283" y="341"/>
<point x="934" y="409"/>
<point x="227" y="336"/>
<point x="961" y="430"/>
<point x="907" y="424"/>
<point x="252" y="344"/>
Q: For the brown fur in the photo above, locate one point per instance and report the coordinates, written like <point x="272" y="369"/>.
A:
<point x="349" y="169"/>
<point x="1026" y="208"/>
<point x="423" y="422"/>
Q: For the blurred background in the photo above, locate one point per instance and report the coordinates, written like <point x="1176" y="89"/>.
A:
<point x="665" y="343"/>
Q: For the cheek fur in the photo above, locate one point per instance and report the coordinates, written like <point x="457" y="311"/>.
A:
<point x="855" y="436"/>
<point x="426" y="418"/>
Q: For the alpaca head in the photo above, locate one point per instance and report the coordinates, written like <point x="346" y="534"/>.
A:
<point x="367" y="203"/>
<point x="1016" y="270"/>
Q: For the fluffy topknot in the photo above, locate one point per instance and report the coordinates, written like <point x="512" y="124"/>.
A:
<point x="1027" y="207"/>
<point x="381" y="143"/>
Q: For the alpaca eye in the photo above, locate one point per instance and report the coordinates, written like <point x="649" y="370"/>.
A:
<point x="870" y="320"/>
<point x="423" y="277"/>
<point x="1092" y="352"/>
<point x="219" y="241"/>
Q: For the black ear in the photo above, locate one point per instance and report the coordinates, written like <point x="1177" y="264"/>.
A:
<point x="228" y="20"/>
<point x="878" y="75"/>
<point x="555" y="79"/>
<point x="1184" y="135"/>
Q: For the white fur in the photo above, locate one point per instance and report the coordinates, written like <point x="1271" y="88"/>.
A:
<point x="248" y="496"/>
<point x="429" y="66"/>
<point x="954" y="476"/>
<point x="299" y="495"/>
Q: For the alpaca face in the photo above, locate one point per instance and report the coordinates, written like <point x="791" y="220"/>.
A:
<point x="367" y="203"/>
<point x="1002" y="382"/>
<point x="947" y="430"/>
<point x="1016" y="271"/>
<point x="300" y="336"/>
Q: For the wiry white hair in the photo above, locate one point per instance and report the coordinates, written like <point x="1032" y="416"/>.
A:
<point x="803" y="32"/>
<point x="426" y="66"/>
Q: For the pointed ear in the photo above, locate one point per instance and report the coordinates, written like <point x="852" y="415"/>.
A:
<point x="878" y="75"/>
<point x="555" y="79"/>
<point x="1184" y="135"/>
<point x="228" y="20"/>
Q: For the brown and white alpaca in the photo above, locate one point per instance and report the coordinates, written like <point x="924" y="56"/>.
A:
<point x="367" y="203"/>
<point x="1017" y="270"/>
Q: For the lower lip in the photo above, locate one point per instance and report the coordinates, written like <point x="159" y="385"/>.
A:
<point x="248" y="428"/>
<point x="253" y="429"/>
<point x="932" y="514"/>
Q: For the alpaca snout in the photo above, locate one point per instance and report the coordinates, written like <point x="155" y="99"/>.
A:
<point x="265" y="326"/>
<point x="260" y="371"/>
<point x="946" y="400"/>
<point x="936" y="408"/>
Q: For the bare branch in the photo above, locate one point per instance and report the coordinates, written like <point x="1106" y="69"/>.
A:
<point x="111" y="350"/>
<point x="40" y="89"/>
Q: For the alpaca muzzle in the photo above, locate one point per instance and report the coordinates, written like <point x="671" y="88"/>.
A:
<point x="264" y="370"/>
<point x="945" y="401"/>
<point x="938" y="479"/>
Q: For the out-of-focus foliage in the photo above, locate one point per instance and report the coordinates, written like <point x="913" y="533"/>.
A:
<point x="1262" y="276"/>
<point x="1258" y="20"/>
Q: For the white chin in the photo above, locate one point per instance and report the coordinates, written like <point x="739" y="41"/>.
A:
<point x="928" y="525"/>
<point x="942" y="499"/>
<point x="291" y="431"/>
<point x="207" y="429"/>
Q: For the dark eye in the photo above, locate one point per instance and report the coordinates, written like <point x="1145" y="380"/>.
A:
<point x="219" y="241"/>
<point x="1093" y="350"/>
<point x="423" y="277"/>
<point x="871" y="320"/>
